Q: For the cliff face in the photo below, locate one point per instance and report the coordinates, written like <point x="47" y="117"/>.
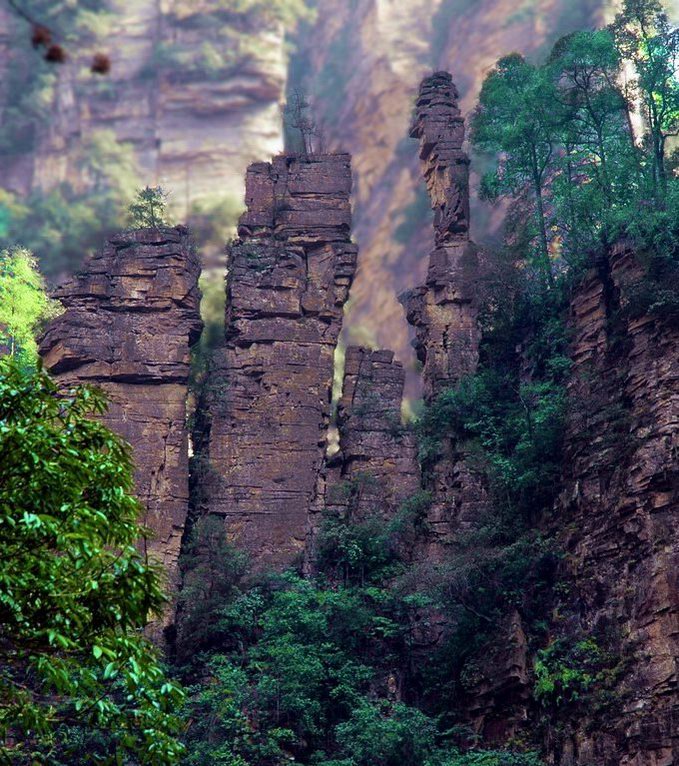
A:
<point x="268" y="401"/>
<point x="375" y="470"/>
<point x="130" y="320"/>
<point x="193" y="89"/>
<point x="261" y="447"/>
<point x="617" y="514"/>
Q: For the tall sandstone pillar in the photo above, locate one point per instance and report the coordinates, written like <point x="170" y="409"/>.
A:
<point x="268" y="396"/>
<point x="444" y="310"/>
<point x="131" y="318"/>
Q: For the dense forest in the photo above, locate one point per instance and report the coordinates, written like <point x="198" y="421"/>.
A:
<point x="331" y="662"/>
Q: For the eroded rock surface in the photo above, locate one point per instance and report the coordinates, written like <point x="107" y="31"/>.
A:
<point x="131" y="318"/>
<point x="618" y="512"/>
<point x="362" y="63"/>
<point x="444" y="310"/>
<point x="268" y="400"/>
<point x="375" y="470"/>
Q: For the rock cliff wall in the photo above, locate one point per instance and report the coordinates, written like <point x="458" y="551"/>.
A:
<point x="617" y="514"/>
<point x="194" y="88"/>
<point x="130" y="320"/>
<point x="363" y="62"/>
<point x="268" y="400"/>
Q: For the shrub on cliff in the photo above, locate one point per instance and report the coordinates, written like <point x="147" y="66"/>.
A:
<point x="78" y="681"/>
<point x="149" y="209"/>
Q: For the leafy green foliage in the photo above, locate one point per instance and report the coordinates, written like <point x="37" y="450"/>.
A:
<point x="306" y="670"/>
<point x="149" y="209"/>
<point x="645" y="37"/>
<point x="493" y="758"/>
<point x="387" y="734"/>
<point x="565" y="145"/>
<point x="517" y="114"/>
<point x="24" y="304"/>
<point x="570" y="672"/>
<point x="365" y="550"/>
<point x="74" y="590"/>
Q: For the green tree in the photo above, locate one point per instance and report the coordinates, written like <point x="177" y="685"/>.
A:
<point x="149" y="209"/>
<point x="518" y="116"/>
<point x="24" y="303"/>
<point x="387" y="734"/>
<point x="647" y="39"/>
<point x="598" y="168"/>
<point x="75" y="593"/>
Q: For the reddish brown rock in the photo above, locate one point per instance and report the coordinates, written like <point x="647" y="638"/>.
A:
<point x="131" y="318"/>
<point x="619" y="511"/>
<point x="444" y="310"/>
<point x="376" y="468"/>
<point x="269" y="392"/>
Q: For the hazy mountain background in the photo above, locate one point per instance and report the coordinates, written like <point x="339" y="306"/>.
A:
<point x="194" y="95"/>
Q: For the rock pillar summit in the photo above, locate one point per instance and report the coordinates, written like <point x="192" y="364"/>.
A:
<point x="131" y="318"/>
<point x="269" y="392"/>
<point x="443" y="310"/>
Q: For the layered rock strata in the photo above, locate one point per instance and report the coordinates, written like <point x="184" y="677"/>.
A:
<point x="194" y="92"/>
<point x="444" y="310"/>
<point x="618" y="513"/>
<point x="375" y="470"/>
<point x="130" y="320"/>
<point x="268" y="399"/>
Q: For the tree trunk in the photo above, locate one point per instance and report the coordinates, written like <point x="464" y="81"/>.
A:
<point x="542" y="226"/>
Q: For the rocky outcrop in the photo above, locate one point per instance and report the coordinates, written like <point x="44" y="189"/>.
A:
<point x="130" y="320"/>
<point x="375" y="470"/>
<point x="617" y="514"/>
<point x="444" y="310"/>
<point x="268" y="400"/>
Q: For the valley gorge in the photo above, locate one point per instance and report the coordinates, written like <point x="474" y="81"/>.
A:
<point x="262" y="466"/>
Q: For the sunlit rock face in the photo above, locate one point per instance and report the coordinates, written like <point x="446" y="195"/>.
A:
<point x="131" y="318"/>
<point x="363" y="63"/>
<point x="268" y="394"/>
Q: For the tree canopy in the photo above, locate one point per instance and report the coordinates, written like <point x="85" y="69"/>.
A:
<point x="24" y="303"/>
<point x="77" y="674"/>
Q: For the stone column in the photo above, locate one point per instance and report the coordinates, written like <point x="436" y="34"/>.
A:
<point x="268" y="395"/>
<point x="131" y="318"/>
<point x="444" y="310"/>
